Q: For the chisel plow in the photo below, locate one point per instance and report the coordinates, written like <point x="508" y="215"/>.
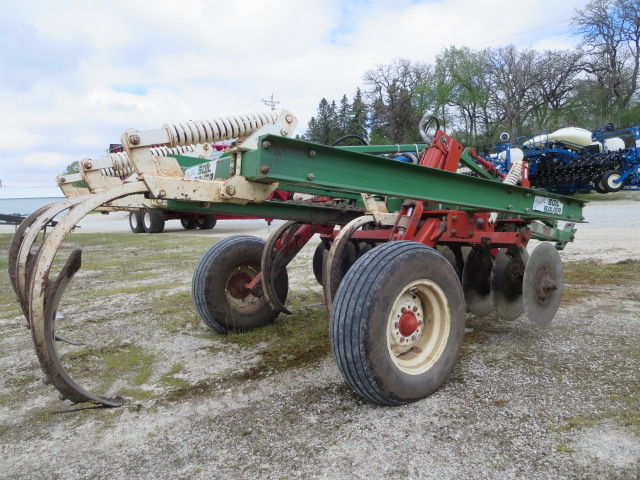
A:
<point x="407" y="245"/>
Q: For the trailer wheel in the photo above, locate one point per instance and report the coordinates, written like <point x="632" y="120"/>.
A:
<point x="153" y="220"/>
<point x="597" y="186"/>
<point x="318" y="260"/>
<point x="397" y="323"/>
<point x="206" y="222"/>
<point x="218" y="286"/>
<point x="188" y="223"/>
<point x="136" y="222"/>
<point x="608" y="179"/>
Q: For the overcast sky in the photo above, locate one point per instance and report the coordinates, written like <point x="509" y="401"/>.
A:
<point x="75" y="74"/>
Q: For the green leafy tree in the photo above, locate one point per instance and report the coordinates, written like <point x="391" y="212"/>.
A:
<point x="357" y="122"/>
<point x="461" y="85"/>
<point x="71" y="169"/>
<point x="323" y="128"/>
<point x="343" y="115"/>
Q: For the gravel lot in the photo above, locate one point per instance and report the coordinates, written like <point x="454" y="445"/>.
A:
<point x="524" y="402"/>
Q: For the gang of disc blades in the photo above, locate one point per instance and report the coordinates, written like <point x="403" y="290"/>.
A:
<point x="476" y="277"/>
<point x="506" y="282"/>
<point x="542" y="284"/>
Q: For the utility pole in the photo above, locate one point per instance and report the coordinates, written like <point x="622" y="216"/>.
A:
<point x="270" y="103"/>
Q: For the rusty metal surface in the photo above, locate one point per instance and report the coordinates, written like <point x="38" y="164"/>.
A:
<point x="16" y="242"/>
<point x="45" y="295"/>
<point x="25" y="258"/>
<point x="332" y="271"/>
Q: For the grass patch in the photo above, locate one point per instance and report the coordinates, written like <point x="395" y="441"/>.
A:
<point x="293" y="341"/>
<point x="128" y="360"/>
<point x="582" y="276"/>
<point x="590" y="272"/>
<point x="296" y="340"/>
<point x="137" y="394"/>
<point x="607" y="197"/>
<point x="42" y="416"/>
<point x="169" y="380"/>
<point x="176" y="311"/>
<point x="564" y="448"/>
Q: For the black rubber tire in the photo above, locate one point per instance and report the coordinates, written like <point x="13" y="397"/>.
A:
<point x="153" y="220"/>
<point x="136" y="222"/>
<point x="318" y="261"/>
<point x="206" y="222"/>
<point x="607" y="181"/>
<point x="368" y="299"/>
<point x="597" y="186"/>
<point x="211" y="278"/>
<point x="189" y="223"/>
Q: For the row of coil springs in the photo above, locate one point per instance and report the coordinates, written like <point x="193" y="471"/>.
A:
<point x="218" y="129"/>
<point x="121" y="164"/>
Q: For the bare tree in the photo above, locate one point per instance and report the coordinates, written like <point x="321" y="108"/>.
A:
<point x="515" y="86"/>
<point x="610" y="32"/>
<point x="391" y="89"/>
<point x="558" y="74"/>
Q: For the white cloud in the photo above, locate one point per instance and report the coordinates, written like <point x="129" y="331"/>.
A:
<point x="75" y="74"/>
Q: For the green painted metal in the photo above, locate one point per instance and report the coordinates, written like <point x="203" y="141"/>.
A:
<point x="222" y="169"/>
<point x="467" y="161"/>
<point x="562" y="236"/>
<point x="415" y="148"/>
<point x="336" y="214"/>
<point x="295" y="162"/>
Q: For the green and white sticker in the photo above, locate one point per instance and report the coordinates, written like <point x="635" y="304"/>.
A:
<point x="548" y="205"/>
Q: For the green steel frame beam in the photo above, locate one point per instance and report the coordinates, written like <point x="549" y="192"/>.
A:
<point x="280" y="159"/>
<point x="416" y="148"/>
<point x="338" y="214"/>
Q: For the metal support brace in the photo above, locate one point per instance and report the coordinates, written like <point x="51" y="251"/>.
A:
<point x="279" y="159"/>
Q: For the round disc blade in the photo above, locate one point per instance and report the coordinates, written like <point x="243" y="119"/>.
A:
<point x="476" y="286"/>
<point x="543" y="284"/>
<point x="506" y="282"/>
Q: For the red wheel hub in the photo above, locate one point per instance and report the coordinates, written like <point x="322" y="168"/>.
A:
<point x="408" y="323"/>
<point x="237" y="284"/>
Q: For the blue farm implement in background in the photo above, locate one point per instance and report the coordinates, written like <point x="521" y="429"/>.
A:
<point x="573" y="159"/>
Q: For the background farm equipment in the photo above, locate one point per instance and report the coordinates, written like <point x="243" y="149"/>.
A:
<point x="573" y="160"/>
<point x="406" y="247"/>
<point x="152" y="220"/>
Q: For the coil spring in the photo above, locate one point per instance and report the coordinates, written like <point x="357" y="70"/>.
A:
<point x="121" y="164"/>
<point x="515" y="173"/>
<point x="218" y="129"/>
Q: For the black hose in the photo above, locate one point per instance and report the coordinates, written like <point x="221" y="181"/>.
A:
<point x="351" y="135"/>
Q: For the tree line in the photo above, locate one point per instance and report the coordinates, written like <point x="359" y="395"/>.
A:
<point x="477" y="94"/>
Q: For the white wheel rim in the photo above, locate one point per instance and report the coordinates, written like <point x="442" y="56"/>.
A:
<point x="147" y="220"/>
<point x="418" y="327"/>
<point x="240" y="302"/>
<point x="611" y="180"/>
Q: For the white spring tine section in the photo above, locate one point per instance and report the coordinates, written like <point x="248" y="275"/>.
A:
<point x="121" y="164"/>
<point x="201" y="131"/>
<point x="218" y="129"/>
<point x="208" y="130"/>
<point x="236" y="126"/>
<point x="252" y="123"/>
<point x="214" y="128"/>
<point x="186" y="133"/>
<point x="228" y="131"/>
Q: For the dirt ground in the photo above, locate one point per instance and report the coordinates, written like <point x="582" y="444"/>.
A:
<point x="523" y="402"/>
